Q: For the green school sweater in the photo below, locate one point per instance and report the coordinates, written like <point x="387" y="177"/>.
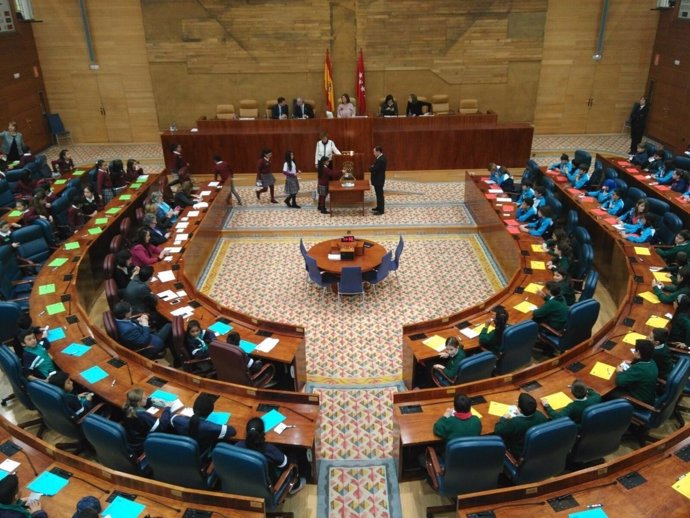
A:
<point x="639" y="381"/>
<point x="453" y="427"/>
<point x="513" y="431"/>
<point x="574" y="410"/>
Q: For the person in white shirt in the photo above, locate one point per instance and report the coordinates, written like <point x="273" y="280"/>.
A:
<point x="325" y="147"/>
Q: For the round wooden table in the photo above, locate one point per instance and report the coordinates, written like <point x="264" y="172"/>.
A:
<point x="368" y="261"/>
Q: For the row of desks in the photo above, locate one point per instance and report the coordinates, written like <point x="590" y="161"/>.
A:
<point x="620" y="262"/>
<point x="79" y="277"/>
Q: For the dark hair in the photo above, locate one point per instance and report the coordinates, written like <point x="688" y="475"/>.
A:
<point x="87" y="513"/>
<point x="321" y="165"/>
<point x="62" y="154"/>
<point x="414" y="98"/>
<point x="618" y="192"/>
<point x="645" y="348"/>
<point x="453" y="342"/>
<point x="685" y="273"/>
<point x="554" y="288"/>
<point x="579" y="389"/>
<point x="527" y="183"/>
<point x="681" y="258"/>
<point x="130" y="163"/>
<point x="527" y="404"/>
<point x="379" y="149"/>
<point x="346" y="97"/>
<point x="545" y="211"/>
<point x="528" y="201"/>
<point x="389" y="97"/>
<point x="145" y="272"/>
<point x="122" y="257"/>
<point x="256" y="434"/>
<point x="565" y="157"/>
<point x="121" y="309"/>
<point x="500" y="322"/>
<point x="280" y="99"/>
<point x="288" y="158"/>
<point x="264" y="152"/>
<point x="58" y="379"/>
<point x="462" y="403"/>
<point x="173" y="146"/>
<point x="217" y="158"/>
<point x="203" y="406"/>
<point x="233" y="338"/>
<point x="193" y="323"/>
<point x="660" y="334"/>
<point x="9" y="486"/>
<point x="24" y="334"/>
<point x="141" y="236"/>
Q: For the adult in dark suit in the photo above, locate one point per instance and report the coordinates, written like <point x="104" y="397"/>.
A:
<point x="638" y="121"/>
<point x="136" y="334"/>
<point x="378" y="179"/>
<point x="138" y="293"/>
<point x="280" y="110"/>
<point x="302" y="110"/>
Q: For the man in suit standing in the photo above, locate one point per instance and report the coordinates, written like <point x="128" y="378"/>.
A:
<point x="302" y="110"/>
<point x="280" y="110"/>
<point x="378" y="178"/>
<point x="638" y="121"/>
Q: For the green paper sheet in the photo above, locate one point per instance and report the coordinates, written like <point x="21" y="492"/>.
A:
<point x="113" y="210"/>
<point x="15" y="214"/>
<point x="46" y="288"/>
<point x="53" y="309"/>
<point x="101" y="221"/>
<point x="95" y="230"/>
<point x="72" y="246"/>
<point x="78" y="172"/>
<point x="136" y="185"/>
<point x="125" y="197"/>
<point x="58" y="261"/>
<point x="61" y="181"/>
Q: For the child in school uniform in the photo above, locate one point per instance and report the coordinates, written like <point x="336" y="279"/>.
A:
<point x="526" y="211"/>
<point x="614" y="205"/>
<point x="197" y="340"/>
<point x="36" y="360"/>
<point x="664" y="174"/>
<point x="79" y="404"/>
<point x="642" y="231"/>
<point x="542" y="226"/>
<point x="454" y="353"/>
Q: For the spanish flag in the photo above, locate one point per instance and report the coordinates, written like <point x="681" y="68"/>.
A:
<point x="328" y="83"/>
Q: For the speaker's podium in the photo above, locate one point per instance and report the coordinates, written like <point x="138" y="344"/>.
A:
<point x="350" y="189"/>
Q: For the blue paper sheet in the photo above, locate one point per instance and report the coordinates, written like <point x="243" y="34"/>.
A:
<point x="247" y="346"/>
<point x="94" y="374"/>
<point x="165" y="396"/>
<point x="271" y="419"/>
<point x="124" y="508"/>
<point x="589" y="513"/>
<point x="47" y="484"/>
<point x="56" y="334"/>
<point x="220" y="328"/>
<point x="3" y="474"/>
<point x="76" y="349"/>
<point x="220" y="418"/>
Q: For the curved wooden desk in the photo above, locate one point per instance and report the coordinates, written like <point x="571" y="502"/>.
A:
<point x="369" y="260"/>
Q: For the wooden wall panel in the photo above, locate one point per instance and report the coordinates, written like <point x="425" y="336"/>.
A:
<point x="20" y="98"/>
<point x="121" y="87"/>
<point x="670" y="103"/>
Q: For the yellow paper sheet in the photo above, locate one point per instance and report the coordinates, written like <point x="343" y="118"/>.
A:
<point x="474" y="412"/>
<point x="683" y="485"/>
<point x="662" y="276"/>
<point x="603" y="371"/>
<point x="538" y="265"/>
<point x="558" y="400"/>
<point x="641" y="250"/>
<point x="537" y="248"/>
<point x="533" y="287"/>
<point x="633" y="337"/>
<point x="525" y="306"/>
<point x="498" y="409"/>
<point x="650" y="297"/>
<point x="436" y="342"/>
<point x="657" y="322"/>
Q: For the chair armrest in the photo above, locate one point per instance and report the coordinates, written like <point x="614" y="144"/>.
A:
<point x="268" y="371"/>
<point x="289" y="476"/>
<point x="433" y="467"/>
<point x="18" y="283"/>
<point x="441" y="373"/>
<point x="640" y="404"/>
<point x="93" y="410"/>
<point x="26" y="263"/>
<point x="511" y="458"/>
<point x="551" y="330"/>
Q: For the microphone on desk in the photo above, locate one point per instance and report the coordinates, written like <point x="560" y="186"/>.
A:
<point x="300" y="413"/>
<point x="28" y="458"/>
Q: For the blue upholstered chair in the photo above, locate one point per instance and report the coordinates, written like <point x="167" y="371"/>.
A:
<point x="470" y="464"/>
<point x="584" y="257"/>
<point x="246" y="472"/>
<point x="658" y="207"/>
<point x="33" y="247"/>
<point x="49" y="401"/>
<point x="175" y="459"/>
<point x="9" y="316"/>
<point x="601" y="428"/>
<point x="395" y="264"/>
<point x="322" y="280"/>
<point x="351" y="282"/>
<point x="544" y="455"/>
<point x="670" y="225"/>
<point x="632" y="196"/>
<point x="571" y="222"/>
<point x="303" y="251"/>
<point x="109" y="440"/>
<point x="583" y="157"/>
<point x="516" y="346"/>
<point x="610" y="174"/>
<point x="381" y="273"/>
<point x="6" y="195"/>
<point x="12" y="368"/>
<point x="589" y="286"/>
<point x="578" y="327"/>
<point x="15" y="285"/>
<point x="475" y="367"/>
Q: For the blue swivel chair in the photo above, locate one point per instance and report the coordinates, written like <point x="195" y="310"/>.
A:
<point x="50" y="402"/>
<point x="473" y="368"/>
<point x="658" y="207"/>
<point x="584" y="258"/>
<point x="589" y="286"/>
<point x="623" y="185"/>
<point x="12" y="368"/>
<point x="322" y="280"/>
<point x="516" y="346"/>
<point x="381" y="273"/>
<point x="470" y="464"/>
<point x="15" y="286"/>
<point x="650" y="148"/>
<point x="351" y="282"/>
<point x="572" y="220"/>
<point x="6" y="195"/>
<point x="578" y="327"/>
<point x="246" y="472"/>
<point x="109" y="440"/>
<point x="597" y="175"/>
<point x="303" y="251"/>
<point x="648" y="417"/>
<point x="395" y="264"/>
<point x="601" y="428"/>
<point x="9" y="316"/>
<point x="33" y="248"/>
<point x="682" y="162"/>
<point x="670" y="225"/>
<point x="175" y="459"/>
<point x="632" y="196"/>
<point x="583" y="157"/>
<point x="545" y="452"/>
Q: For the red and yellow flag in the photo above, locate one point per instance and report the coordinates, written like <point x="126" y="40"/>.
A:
<point x="360" y="87"/>
<point x="328" y="83"/>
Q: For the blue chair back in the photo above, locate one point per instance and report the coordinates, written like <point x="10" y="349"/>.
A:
<point x="583" y="157"/>
<point x="516" y="347"/>
<point x="556" y="206"/>
<point x="610" y="174"/>
<point x="11" y="366"/>
<point x="590" y="285"/>
<point x="472" y="464"/>
<point x="572" y="221"/>
<point x="585" y="258"/>
<point x="546" y="449"/>
<point x="548" y="184"/>
<point x="670" y="225"/>
<point x="682" y="162"/>
<point x="665" y="404"/>
<point x="175" y="460"/>
<point x="601" y="428"/>
<point x="657" y="206"/>
<point x="398" y="252"/>
<point x="476" y="367"/>
<point x="578" y="327"/>
<point x="631" y="196"/>
<point x="314" y="273"/>
<point x="109" y="439"/>
<point x="50" y="402"/>
<point x="242" y="471"/>
<point x="6" y="194"/>
<point x="650" y="148"/>
<point x="581" y="235"/>
<point x="621" y="184"/>
<point x="55" y="124"/>
<point x="32" y="243"/>
<point x="10" y="272"/>
<point x="384" y="269"/>
<point x="351" y="282"/>
<point x="9" y="316"/>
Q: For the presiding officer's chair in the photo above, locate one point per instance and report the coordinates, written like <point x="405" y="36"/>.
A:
<point x="109" y="440"/>
<point x="544" y="455"/>
<point x="470" y="464"/>
<point x="249" y="109"/>
<point x="175" y="459"/>
<point x="246" y="472"/>
<point x="578" y="327"/>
